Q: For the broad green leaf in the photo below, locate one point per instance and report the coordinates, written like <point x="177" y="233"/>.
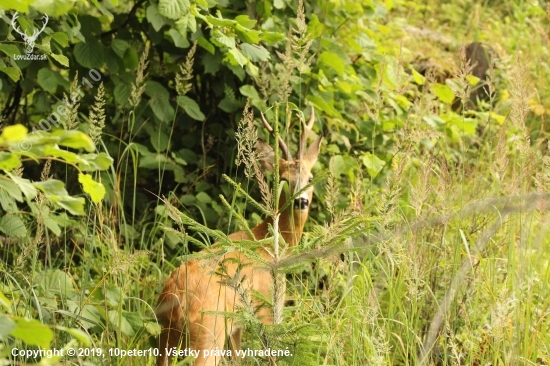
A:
<point x="61" y="38"/>
<point x="24" y="185"/>
<point x="12" y="72"/>
<point x="62" y="59"/>
<point x="191" y="107"/>
<point x="236" y="58"/>
<point x="94" y="189"/>
<point x="203" y="42"/>
<point x="255" y="53"/>
<point x="181" y="25"/>
<point x="223" y="40"/>
<point x="89" y="54"/>
<point x="203" y="197"/>
<point x="249" y="91"/>
<point x="32" y="332"/>
<point x="333" y="61"/>
<point x="373" y="163"/>
<point x="472" y="80"/>
<point x="52" y="187"/>
<point x="22" y="6"/>
<point x="154" y="17"/>
<point x="162" y="109"/>
<point x="247" y="35"/>
<point x="11" y="189"/>
<point x="131" y="59"/>
<point x="122" y="94"/>
<point x="72" y="204"/>
<point x="417" y="77"/>
<point x="159" y="140"/>
<point x="120" y="323"/>
<point x="120" y="46"/>
<point x="54" y="8"/>
<point x="220" y="22"/>
<point x="14" y="133"/>
<point x="179" y="40"/>
<point x="13" y="226"/>
<point x="94" y="162"/>
<point x="47" y="79"/>
<point x="443" y="93"/>
<point x="9" y="161"/>
<point x="245" y="21"/>
<point x="75" y="140"/>
<point x="272" y="37"/>
<point x="9" y="49"/>
<point x="173" y="9"/>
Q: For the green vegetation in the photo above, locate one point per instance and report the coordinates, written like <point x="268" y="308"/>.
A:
<point x="427" y="241"/>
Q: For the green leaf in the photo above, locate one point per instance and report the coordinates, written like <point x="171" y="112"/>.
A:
<point x="333" y="61"/>
<point x="191" y="108"/>
<point x="203" y="197"/>
<point x="373" y="164"/>
<point x="443" y="93"/>
<point x="13" y="226"/>
<point x="122" y="94"/>
<point x="203" y="42"/>
<point x="61" y="38"/>
<point x="11" y="189"/>
<point x="89" y="54"/>
<point x="9" y="161"/>
<point x="272" y="37"/>
<point x="72" y="204"/>
<point x="47" y="79"/>
<point x="247" y="35"/>
<point x="417" y="77"/>
<point x="236" y="58"/>
<point x="255" y="53"/>
<point x="9" y="49"/>
<point x="179" y="40"/>
<point x="249" y="91"/>
<point x="120" y="322"/>
<point x="162" y="109"/>
<point x="12" y="72"/>
<point x="94" y="189"/>
<point x="24" y="185"/>
<point x="120" y="46"/>
<point x="245" y="21"/>
<point x="94" y="162"/>
<point x="52" y="187"/>
<point x="173" y="9"/>
<point x="154" y="18"/>
<point x="75" y="140"/>
<point x="220" y="22"/>
<point x="32" y="332"/>
<point x="62" y="59"/>
<point x="14" y="133"/>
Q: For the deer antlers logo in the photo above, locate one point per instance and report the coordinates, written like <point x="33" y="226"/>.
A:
<point x="29" y="40"/>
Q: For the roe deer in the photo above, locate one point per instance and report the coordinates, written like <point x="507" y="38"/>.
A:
<point x="194" y="292"/>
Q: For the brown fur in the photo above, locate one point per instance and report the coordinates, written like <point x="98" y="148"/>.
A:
<point x="194" y="288"/>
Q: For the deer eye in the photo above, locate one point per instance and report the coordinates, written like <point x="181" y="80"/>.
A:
<point x="310" y="180"/>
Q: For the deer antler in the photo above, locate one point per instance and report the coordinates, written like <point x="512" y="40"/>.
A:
<point x="44" y="25"/>
<point x="282" y="144"/>
<point x="307" y="129"/>
<point x="16" y="27"/>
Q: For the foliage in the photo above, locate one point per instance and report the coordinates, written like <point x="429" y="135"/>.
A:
<point x="160" y="86"/>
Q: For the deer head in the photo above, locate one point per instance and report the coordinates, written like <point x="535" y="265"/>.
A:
<point x="29" y="40"/>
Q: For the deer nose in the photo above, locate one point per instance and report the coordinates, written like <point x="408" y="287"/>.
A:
<point x="301" y="203"/>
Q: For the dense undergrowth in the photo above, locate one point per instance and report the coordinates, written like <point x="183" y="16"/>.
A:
<point x="427" y="242"/>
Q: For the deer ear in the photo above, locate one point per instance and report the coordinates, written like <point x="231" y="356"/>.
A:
<point x="266" y="155"/>
<point x="313" y="151"/>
